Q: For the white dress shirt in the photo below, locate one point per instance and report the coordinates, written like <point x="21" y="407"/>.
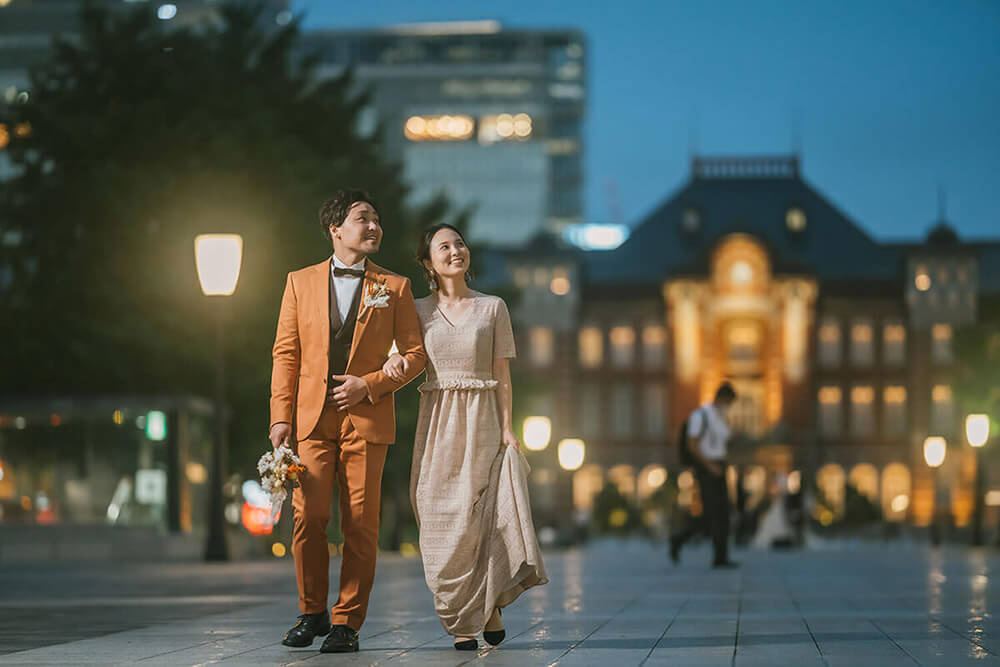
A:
<point x="345" y="286"/>
<point x="710" y="427"/>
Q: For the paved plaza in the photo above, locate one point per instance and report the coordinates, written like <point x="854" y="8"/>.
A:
<point x="612" y="603"/>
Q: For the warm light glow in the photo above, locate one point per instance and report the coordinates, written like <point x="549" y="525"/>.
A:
<point x="862" y="394"/>
<point x="941" y="332"/>
<point x="685" y="480"/>
<point x="22" y="130"/>
<point x="941" y="393"/>
<point x="894" y="333"/>
<point x="571" y="453"/>
<point x="4" y="136"/>
<point x="794" y="481"/>
<point x="195" y="472"/>
<point x="935" y="449"/>
<point x="591" y="347"/>
<point x="795" y="219"/>
<point x="656" y="477"/>
<point x="861" y="333"/>
<point x="439" y="128"/>
<point x="829" y="395"/>
<point x="900" y="503"/>
<point x="740" y="273"/>
<point x="922" y="281"/>
<point x="117" y="417"/>
<point x="560" y="286"/>
<point x="278" y="549"/>
<point x="622" y="336"/>
<point x="829" y="333"/>
<point x="977" y="429"/>
<point x="993" y="498"/>
<point x="218" y="258"/>
<point x="537" y="432"/>
<point x="894" y="395"/>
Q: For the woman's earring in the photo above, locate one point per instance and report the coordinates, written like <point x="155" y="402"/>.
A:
<point x="432" y="281"/>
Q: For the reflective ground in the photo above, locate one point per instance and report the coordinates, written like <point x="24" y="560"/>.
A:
<point x="612" y="603"/>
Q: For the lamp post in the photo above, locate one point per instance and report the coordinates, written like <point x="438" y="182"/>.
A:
<point x="977" y="432"/>
<point x="218" y="258"/>
<point x="935" y="449"/>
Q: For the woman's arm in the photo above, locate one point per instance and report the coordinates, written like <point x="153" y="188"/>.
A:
<point x="505" y="397"/>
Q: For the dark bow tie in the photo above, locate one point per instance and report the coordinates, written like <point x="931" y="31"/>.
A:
<point x="339" y="272"/>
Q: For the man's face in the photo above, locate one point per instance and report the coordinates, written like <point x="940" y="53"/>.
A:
<point x="360" y="232"/>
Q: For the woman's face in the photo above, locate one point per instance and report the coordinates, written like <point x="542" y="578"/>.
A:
<point x="449" y="256"/>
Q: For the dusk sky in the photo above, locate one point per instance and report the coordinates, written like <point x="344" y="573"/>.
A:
<point x="888" y="100"/>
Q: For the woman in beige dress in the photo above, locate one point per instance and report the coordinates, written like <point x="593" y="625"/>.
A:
<point x="468" y="484"/>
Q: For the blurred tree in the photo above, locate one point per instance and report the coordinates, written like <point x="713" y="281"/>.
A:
<point x="142" y="138"/>
<point x="977" y="352"/>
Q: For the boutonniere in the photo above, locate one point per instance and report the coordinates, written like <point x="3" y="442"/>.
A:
<point x="377" y="295"/>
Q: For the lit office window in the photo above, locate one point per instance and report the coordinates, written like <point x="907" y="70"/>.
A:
<point x="795" y="220"/>
<point x="894" y="410"/>
<point x="829" y="342"/>
<point x="942" y="410"/>
<point x="504" y="127"/>
<point x="921" y="278"/>
<point x="589" y="410"/>
<point x="654" y="407"/>
<point x="439" y="128"/>
<point x="654" y="346"/>
<point x="862" y="411"/>
<point x="622" y="340"/>
<point x="893" y="343"/>
<point x="542" y="346"/>
<point x="941" y="351"/>
<point x="560" y="284"/>
<point x="621" y="410"/>
<point x="862" y="348"/>
<point x="830" y="411"/>
<point x="591" y="347"/>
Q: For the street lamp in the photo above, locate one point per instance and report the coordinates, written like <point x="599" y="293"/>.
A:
<point x="935" y="449"/>
<point x="571" y="453"/>
<point x="537" y="433"/>
<point x="977" y="432"/>
<point x="218" y="258"/>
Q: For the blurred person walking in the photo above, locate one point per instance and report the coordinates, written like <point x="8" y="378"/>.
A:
<point x="704" y="440"/>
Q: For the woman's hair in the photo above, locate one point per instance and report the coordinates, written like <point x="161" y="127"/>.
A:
<point x="424" y="251"/>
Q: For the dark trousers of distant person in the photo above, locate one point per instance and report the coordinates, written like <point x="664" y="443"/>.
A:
<point x="715" y="509"/>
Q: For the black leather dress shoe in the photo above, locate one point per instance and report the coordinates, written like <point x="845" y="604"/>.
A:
<point x="342" y="639"/>
<point x="308" y="627"/>
<point x="467" y="645"/>
<point x="494" y="637"/>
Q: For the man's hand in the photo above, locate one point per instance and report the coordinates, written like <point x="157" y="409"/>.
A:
<point x="396" y="367"/>
<point x="281" y="434"/>
<point x="350" y="393"/>
<point x="509" y="439"/>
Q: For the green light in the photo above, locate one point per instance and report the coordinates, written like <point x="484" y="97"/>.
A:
<point x="156" y="425"/>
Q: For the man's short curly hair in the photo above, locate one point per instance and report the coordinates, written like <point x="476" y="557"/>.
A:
<point x="335" y="209"/>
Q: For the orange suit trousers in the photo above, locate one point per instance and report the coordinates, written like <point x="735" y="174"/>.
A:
<point x="335" y="453"/>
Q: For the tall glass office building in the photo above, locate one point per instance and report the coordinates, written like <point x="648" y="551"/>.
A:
<point x="492" y="118"/>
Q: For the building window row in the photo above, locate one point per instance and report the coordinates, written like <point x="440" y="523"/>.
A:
<point x="623" y="346"/>
<point x="620" y="410"/>
<point x="861" y="412"/>
<point x="861" y="349"/>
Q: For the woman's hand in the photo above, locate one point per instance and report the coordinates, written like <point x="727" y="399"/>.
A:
<point x="510" y="440"/>
<point x="396" y="367"/>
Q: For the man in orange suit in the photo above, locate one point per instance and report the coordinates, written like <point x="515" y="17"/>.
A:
<point x="338" y="321"/>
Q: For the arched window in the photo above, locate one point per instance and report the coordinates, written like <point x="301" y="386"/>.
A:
<point x="587" y="483"/>
<point x="830" y="481"/>
<point x="864" y="478"/>
<point x="623" y="476"/>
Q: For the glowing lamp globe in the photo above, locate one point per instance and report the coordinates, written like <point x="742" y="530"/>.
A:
<point x="571" y="453"/>
<point x="977" y="429"/>
<point x="934" y="451"/>
<point x="537" y="432"/>
<point x="218" y="258"/>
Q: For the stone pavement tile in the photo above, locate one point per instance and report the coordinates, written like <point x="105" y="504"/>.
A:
<point x="691" y="657"/>
<point x="853" y="638"/>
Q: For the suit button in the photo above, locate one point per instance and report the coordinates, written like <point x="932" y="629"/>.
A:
<point x="324" y="380"/>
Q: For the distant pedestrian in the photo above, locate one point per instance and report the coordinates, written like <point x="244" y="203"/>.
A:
<point x="704" y="441"/>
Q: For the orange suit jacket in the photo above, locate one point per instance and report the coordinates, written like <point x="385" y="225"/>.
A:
<point x="302" y="347"/>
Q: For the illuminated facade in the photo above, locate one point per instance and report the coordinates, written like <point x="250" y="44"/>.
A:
<point x="490" y="117"/>
<point x="839" y="346"/>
